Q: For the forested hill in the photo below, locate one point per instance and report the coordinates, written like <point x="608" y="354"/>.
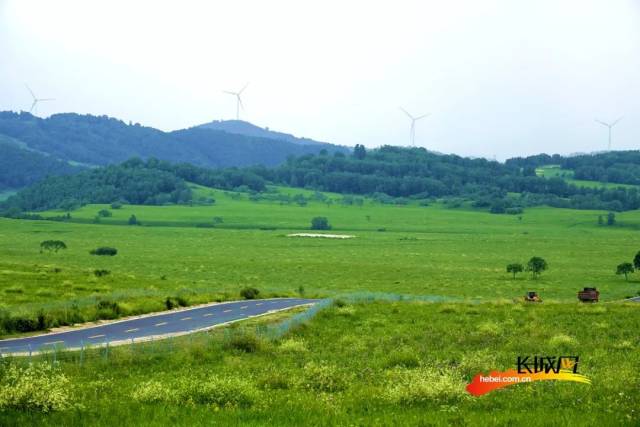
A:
<point x="241" y="127"/>
<point x="101" y="140"/>
<point x="388" y="175"/>
<point x="416" y="173"/>
<point x="151" y="182"/>
<point x="20" y="166"/>
<point x="620" y="167"/>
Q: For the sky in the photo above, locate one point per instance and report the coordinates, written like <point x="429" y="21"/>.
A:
<point x="500" y="78"/>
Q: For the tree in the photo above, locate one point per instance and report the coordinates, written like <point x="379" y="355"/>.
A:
<point x="515" y="268"/>
<point x="104" y="213"/>
<point x="537" y="265"/>
<point x="52" y="245"/>
<point x="133" y="220"/>
<point x="636" y="261"/>
<point x="359" y="152"/>
<point x="625" y="268"/>
<point x="600" y="220"/>
<point x="320" y="223"/>
<point x="611" y="218"/>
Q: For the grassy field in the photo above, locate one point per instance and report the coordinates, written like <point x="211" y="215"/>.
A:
<point x="353" y="364"/>
<point x="551" y="171"/>
<point x="378" y="363"/>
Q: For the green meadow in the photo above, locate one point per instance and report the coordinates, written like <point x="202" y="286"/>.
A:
<point x="356" y="362"/>
<point x="376" y="363"/>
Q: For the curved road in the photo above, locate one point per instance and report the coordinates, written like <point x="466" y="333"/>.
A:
<point x="155" y="325"/>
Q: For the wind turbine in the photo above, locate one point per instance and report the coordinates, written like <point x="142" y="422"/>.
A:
<point x="36" y="100"/>
<point x="609" y="125"/>
<point x="238" y="100"/>
<point x="412" y="132"/>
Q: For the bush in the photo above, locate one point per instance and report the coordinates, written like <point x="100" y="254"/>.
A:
<point x="249" y="293"/>
<point x="108" y="309"/>
<point x="101" y="273"/>
<point x="323" y="377"/>
<point x="116" y="205"/>
<point x="38" y="387"/>
<point x="104" y="251"/>
<point x="320" y="223"/>
<point x="215" y="391"/>
<point x="133" y="220"/>
<point x="246" y="342"/>
<point x="104" y="213"/>
<point x="173" y="302"/>
<point x="424" y="386"/>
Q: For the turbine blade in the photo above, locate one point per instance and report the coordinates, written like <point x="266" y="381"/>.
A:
<point x="602" y="123"/>
<point x="35" y="101"/>
<point x="30" y="91"/>
<point x="230" y="93"/>
<point x="47" y="99"/>
<point x="405" y="111"/>
<point x="242" y="90"/>
<point x="240" y="102"/>
<point x="616" y="122"/>
<point x="422" y="116"/>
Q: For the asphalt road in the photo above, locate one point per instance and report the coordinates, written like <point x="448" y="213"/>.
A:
<point x="171" y="322"/>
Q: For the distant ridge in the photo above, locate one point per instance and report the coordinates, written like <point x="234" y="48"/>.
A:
<point x="240" y="127"/>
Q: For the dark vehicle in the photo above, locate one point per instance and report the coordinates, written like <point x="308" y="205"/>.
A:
<point x="532" y="297"/>
<point x="589" y="295"/>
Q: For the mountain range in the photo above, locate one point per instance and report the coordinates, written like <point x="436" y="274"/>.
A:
<point x="33" y="147"/>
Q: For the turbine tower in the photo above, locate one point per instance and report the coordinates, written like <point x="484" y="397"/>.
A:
<point x="34" y="104"/>
<point x="412" y="132"/>
<point x="238" y="100"/>
<point x="610" y="126"/>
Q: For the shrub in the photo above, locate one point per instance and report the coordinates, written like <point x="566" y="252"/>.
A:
<point x="514" y="211"/>
<point x="249" y="293"/>
<point x="173" y="302"/>
<point x="104" y="213"/>
<point x="101" y="273"/>
<point x="424" y="386"/>
<point x="323" y="377"/>
<point x="133" y="220"/>
<point x="246" y="342"/>
<point x="116" y="205"/>
<point x="320" y="223"/>
<point x="38" y="387"/>
<point x="108" y="309"/>
<point x="274" y="380"/>
<point x="104" y="251"/>
<point x="219" y="392"/>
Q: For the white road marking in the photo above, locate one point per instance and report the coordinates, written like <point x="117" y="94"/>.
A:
<point x="161" y="324"/>
<point x="186" y="318"/>
<point x="226" y="311"/>
<point x="96" y="336"/>
<point x="207" y="315"/>
<point x="132" y="330"/>
<point x="53" y="342"/>
<point x="243" y="307"/>
<point x="259" y="303"/>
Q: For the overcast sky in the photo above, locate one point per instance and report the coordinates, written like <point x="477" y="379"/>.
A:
<point x="499" y="77"/>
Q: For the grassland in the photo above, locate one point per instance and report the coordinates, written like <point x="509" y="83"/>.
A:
<point x="353" y="364"/>
<point x="378" y="363"/>
<point x="551" y="171"/>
